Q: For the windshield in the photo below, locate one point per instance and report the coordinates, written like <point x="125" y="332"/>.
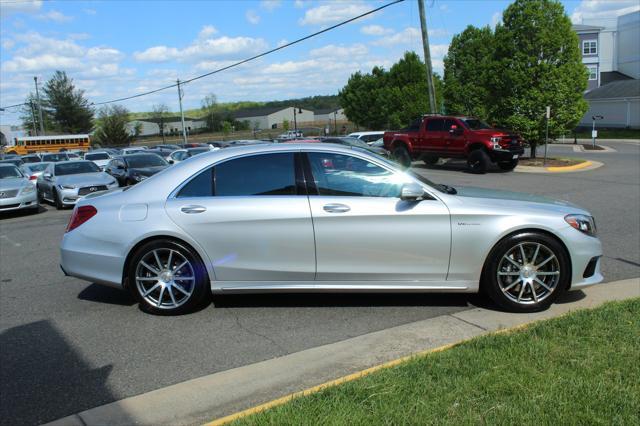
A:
<point x="9" y="172"/>
<point x="76" y="167"/>
<point x="55" y="157"/>
<point x="38" y="167"/>
<point x="475" y="124"/>
<point x="196" y="151"/>
<point x="97" y="156"/>
<point x="149" y="160"/>
<point x="31" y="159"/>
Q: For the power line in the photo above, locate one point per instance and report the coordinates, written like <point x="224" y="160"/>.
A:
<point x="244" y="61"/>
<point x="13" y="106"/>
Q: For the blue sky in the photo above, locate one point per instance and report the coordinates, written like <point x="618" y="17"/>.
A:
<point x="118" y="48"/>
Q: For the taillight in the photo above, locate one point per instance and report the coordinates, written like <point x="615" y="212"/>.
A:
<point x="33" y="177"/>
<point x="80" y="215"/>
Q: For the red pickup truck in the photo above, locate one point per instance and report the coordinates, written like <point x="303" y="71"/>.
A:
<point x="432" y="137"/>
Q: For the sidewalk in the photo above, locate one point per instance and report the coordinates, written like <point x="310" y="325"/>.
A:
<point x="217" y="395"/>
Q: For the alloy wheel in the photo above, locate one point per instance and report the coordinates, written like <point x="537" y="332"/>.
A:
<point x="165" y="278"/>
<point x="528" y="273"/>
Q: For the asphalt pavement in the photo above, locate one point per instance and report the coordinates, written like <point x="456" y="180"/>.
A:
<point x="68" y="345"/>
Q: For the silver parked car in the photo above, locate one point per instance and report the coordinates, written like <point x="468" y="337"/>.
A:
<point x="16" y="192"/>
<point x="66" y="182"/>
<point x="33" y="170"/>
<point x="324" y="218"/>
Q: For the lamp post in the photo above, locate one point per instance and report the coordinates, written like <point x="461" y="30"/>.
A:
<point x="295" y="119"/>
<point x="594" y="132"/>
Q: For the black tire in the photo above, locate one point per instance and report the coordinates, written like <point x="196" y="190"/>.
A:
<point x="497" y="287"/>
<point x="430" y="161"/>
<point x="40" y="197"/>
<point x="401" y="156"/>
<point x="199" y="293"/>
<point x="508" y="165"/>
<point x="478" y="161"/>
<point x="57" y="201"/>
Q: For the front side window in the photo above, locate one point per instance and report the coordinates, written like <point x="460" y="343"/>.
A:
<point x="344" y="175"/>
<point x="264" y="174"/>
<point x="435" y="125"/>
<point x="589" y="47"/>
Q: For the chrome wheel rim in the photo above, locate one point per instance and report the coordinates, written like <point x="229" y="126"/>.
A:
<point x="528" y="273"/>
<point x="165" y="278"/>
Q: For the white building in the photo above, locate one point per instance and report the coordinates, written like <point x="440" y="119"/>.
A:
<point x="172" y="125"/>
<point x="618" y="103"/>
<point x="272" y="118"/>
<point x="330" y="114"/>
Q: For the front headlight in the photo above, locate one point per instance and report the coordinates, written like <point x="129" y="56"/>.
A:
<point x="28" y="189"/>
<point x="68" y="186"/>
<point x="583" y="223"/>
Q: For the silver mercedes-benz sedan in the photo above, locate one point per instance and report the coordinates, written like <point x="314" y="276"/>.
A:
<point x="324" y="218"/>
<point x="65" y="182"/>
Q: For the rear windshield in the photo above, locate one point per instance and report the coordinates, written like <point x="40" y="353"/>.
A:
<point x="55" y="157"/>
<point x="97" y="156"/>
<point x="8" y="172"/>
<point x="76" y="167"/>
<point x="38" y="167"/>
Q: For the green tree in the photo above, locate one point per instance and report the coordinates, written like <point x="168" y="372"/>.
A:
<point x="389" y="99"/>
<point x="112" y="126"/>
<point x="209" y="108"/>
<point x="159" y="113"/>
<point x="538" y="64"/>
<point x="69" y="110"/>
<point x="226" y="128"/>
<point x="285" y="125"/>
<point x="467" y="69"/>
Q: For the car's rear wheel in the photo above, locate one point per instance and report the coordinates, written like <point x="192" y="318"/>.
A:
<point x="508" y="165"/>
<point x="167" y="278"/>
<point x="430" y="161"/>
<point x="526" y="272"/>
<point x="478" y="161"/>
<point x="401" y="156"/>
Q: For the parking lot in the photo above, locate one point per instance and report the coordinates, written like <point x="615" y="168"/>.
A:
<point x="67" y="345"/>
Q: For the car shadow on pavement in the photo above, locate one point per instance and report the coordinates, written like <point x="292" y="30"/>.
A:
<point x="347" y="300"/>
<point x="43" y="377"/>
<point x="22" y="213"/>
<point x="454" y="166"/>
<point x="571" y="296"/>
<point x="105" y="294"/>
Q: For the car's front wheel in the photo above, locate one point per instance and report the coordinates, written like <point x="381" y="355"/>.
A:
<point x="57" y="200"/>
<point x="402" y="156"/>
<point x="478" y="161"/>
<point x="168" y="278"/>
<point x="526" y="272"/>
<point x="508" y="165"/>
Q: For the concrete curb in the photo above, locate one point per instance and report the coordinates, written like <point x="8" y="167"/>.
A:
<point x="221" y="394"/>
<point x="606" y="149"/>
<point x="580" y="167"/>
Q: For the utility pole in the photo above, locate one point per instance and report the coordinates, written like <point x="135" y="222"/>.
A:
<point x="427" y="58"/>
<point x="184" y="130"/>
<point x="35" y="79"/>
<point x="546" y="135"/>
<point x="295" y="121"/>
<point x="33" y="118"/>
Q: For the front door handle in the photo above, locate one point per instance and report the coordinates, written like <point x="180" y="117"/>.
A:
<point x="336" y="208"/>
<point x="193" y="209"/>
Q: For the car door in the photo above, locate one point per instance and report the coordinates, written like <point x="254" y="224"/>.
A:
<point x="364" y="231"/>
<point x="46" y="180"/>
<point x="433" y="137"/>
<point x="455" y="138"/>
<point x="251" y="217"/>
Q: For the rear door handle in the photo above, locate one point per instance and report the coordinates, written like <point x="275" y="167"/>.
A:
<point x="336" y="208"/>
<point x="193" y="209"/>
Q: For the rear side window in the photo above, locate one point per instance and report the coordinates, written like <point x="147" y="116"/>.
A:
<point x="448" y="123"/>
<point x="266" y="174"/>
<point x="415" y="125"/>
<point x="435" y="125"/>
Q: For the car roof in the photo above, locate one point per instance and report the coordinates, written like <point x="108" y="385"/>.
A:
<point x="373" y="132"/>
<point x="8" y="165"/>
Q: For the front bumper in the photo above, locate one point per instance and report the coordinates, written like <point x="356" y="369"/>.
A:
<point x="71" y="196"/>
<point x="507" y="154"/>
<point x="21" y="201"/>
<point x="586" y="257"/>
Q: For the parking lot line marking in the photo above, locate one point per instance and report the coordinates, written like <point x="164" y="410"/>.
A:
<point x="11" y="241"/>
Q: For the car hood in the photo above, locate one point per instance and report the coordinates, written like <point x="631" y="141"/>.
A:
<point x="13" y="183"/>
<point x="83" y="179"/>
<point x="147" y="171"/>
<point x="101" y="163"/>
<point x="519" y="199"/>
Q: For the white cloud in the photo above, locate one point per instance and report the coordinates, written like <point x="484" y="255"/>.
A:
<point x="299" y="4"/>
<point x="55" y="16"/>
<point x="496" y="18"/>
<point x="376" y="30"/>
<point x="104" y="54"/>
<point x="41" y="63"/>
<point x="344" y="52"/>
<point x="332" y="13"/>
<point x="602" y="9"/>
<point x="212" y="65"/>
<point x="10" y="7"/>
<point x="207" y="31"/>
<point x="270" y="5"/>
<point x="90" y="11"/>
<point x="34" y="43"/>
<point x="282" y="42"/>
<point x="252" y="17"/>
<point x="409" y="35"/>
<point x="444" y="7"/>
<point x="79" y="36"/>
<point x="8" y="43"/>
<point x="212" y="48"/>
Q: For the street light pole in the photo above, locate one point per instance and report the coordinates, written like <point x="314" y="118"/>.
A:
<point x="33" y="118"/>
<point x="35" y="79"/>
<point x="546" y="136"/>
<point x="427" y="58"/>
<point x="184" y="130"/>
<point x="295" y="121"/>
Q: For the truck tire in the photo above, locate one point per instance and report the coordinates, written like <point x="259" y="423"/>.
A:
<point x="430" y="161"/>
<point x="478" y="161"/>
<point x="402" y="156"/>
<point x="508" y="165"/>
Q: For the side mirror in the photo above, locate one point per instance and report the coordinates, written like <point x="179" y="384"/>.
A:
<point x="411" y="192"/>
<point x="171" y="161"/>
<point x="455" y="130"/>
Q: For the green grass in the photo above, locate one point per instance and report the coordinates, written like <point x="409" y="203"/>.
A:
<point x="608" y="134"/>
<point x="583" y="368"/>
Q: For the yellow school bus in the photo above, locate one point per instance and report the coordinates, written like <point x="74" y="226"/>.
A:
<point x="33" y="144"/>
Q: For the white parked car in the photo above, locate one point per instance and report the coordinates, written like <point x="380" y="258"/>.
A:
<point x="367" y="137"/>
<point x="100" y="158"/>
